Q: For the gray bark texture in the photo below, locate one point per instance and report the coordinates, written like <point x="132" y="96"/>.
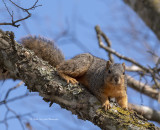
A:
<point x="149" y="11"/>
<point x="40" y="77"/>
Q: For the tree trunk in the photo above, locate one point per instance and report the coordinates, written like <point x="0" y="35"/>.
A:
<point x="149" y="11"/>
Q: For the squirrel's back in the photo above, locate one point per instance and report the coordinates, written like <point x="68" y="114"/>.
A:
<point x="44" y="49"/>
<point x="96" y="72"/>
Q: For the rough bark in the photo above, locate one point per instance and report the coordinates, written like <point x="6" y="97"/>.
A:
<point x="147" y="112"/>
<point x="149" y="11"/>
<point x="39" y="76"/>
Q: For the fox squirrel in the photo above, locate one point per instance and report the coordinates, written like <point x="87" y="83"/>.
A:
<point x="101" y="77"/>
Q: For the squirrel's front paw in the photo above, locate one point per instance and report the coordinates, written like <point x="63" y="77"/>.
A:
<point x="125" y="107"/>
<point x="106" y="105"/>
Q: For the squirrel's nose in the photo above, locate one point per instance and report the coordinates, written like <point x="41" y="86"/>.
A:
<point x="116" y="79"/>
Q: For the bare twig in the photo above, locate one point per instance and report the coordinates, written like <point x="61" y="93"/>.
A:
<point x="8" y="92"/>
<point x="99" y="34"/>
<point x="13" y="99"/>
<point x="14" y="22"/>
<point x="108" y="49"/>
<point x="17" y="116"/>
<point x="7" y="8"/>
<point x="9" y="110"/>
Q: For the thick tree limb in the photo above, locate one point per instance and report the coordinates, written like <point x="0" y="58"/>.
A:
<point x="39" y="76"/>
<point x="134" y="68"/>
<point x="147" y="112"/>
<point x="143" y="88"/>
<point x="149" y="11"/>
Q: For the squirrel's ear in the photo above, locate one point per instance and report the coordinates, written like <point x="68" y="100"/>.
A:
<point x="108" y="64"/>
<point x="124" y="67"/>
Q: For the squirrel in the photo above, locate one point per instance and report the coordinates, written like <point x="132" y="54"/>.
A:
<point x="102" y="78"/>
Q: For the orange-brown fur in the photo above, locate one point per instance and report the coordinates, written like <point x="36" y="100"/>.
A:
<point x="118" y="92"/>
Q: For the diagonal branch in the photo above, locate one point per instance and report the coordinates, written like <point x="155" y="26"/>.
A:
<point x="142" y="87"/>
<point x="99" y="34"/>
<point x="108" y="49"/>
<point x="147" y="112"/>
<point x="39" y="76"/>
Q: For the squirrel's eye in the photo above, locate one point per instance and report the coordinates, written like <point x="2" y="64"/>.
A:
<point x="109" y="71"/>
<point x="123" y="73"/>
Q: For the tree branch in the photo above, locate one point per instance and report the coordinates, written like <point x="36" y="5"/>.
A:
<point x="99" y="34"/>
<point x="149" y="11"/>
<point x="143" y="88"/>
<point x="39" y="76"/>
<point x="147" y="112"/>
<point x="108" y="49"/>
<point x="14" y="22"/>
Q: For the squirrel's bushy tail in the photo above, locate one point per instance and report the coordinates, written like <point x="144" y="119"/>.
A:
<point x="44" y="49"/>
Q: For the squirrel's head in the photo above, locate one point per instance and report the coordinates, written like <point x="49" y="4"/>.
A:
<point x="115" y="73"/>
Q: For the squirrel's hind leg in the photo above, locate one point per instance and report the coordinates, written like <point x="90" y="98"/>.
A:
<point x="76" y="67"/>
<point x="68" y="78"/>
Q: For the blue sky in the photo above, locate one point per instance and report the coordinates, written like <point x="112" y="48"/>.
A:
<point x="70" y="23"/>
